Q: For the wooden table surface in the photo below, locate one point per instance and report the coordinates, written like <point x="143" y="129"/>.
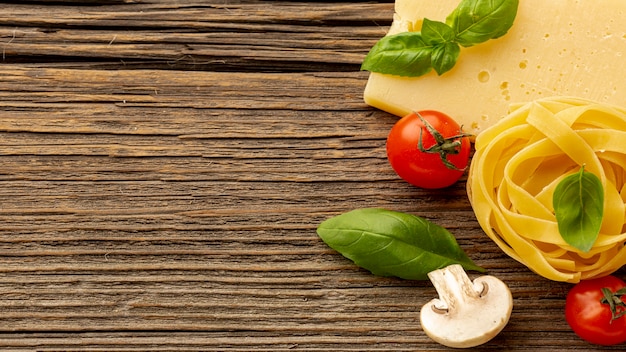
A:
<point x="165" y="164"/>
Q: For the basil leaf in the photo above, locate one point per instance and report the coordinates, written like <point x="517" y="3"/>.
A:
<point x="413" y="54"/>
<point x="402" y="54"/>
<point x="434" y="32"/>
<point x="444" y="57"/>
<point x="389" y="243"/>
<point x="445" y="52"/>
<point x="476" y="21"/>
<point x="578" y="202"/>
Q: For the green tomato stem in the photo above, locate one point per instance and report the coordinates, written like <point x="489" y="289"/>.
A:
<point x="614" y="300"/>
<point x="443" y="146"/>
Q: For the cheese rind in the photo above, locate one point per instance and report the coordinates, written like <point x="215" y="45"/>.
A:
<point x="555" y="48"/>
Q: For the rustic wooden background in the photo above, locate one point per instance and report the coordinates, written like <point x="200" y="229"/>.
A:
<point x="164" y="166"/>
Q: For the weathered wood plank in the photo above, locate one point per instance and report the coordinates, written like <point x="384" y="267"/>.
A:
<point x="163" y="213"/>
<point x="232" y="36"/>
<point x="193" y="210"/>
<point x="196" y="14"/>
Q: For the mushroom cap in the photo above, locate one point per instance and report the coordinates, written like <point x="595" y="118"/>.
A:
<point x="467" y="314"/>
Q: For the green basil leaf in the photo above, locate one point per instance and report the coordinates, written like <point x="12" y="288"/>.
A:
<point x="413" y="54"/>
<point x="389" y="243"/>
<point x="434" y="32"/>
<point x="445" y="52"/>
<point x="444" y="57"/>
<point x="476" y="21"/>
<point x="402" y="54"/>
<point x="578" y="202"/>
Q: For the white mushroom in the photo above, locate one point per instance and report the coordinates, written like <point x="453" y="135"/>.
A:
<point x="466" y="314"/>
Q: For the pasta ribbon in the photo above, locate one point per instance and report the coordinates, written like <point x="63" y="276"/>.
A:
<point x="518" y="163"/>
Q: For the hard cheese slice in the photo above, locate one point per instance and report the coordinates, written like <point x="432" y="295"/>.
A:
<point x="555" y="48"/>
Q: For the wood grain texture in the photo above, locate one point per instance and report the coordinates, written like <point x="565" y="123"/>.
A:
<point x="197" y="35"/>
<point x="165" y="165"/>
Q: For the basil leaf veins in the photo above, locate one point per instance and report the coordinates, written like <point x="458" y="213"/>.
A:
<point x="389" y="243"/>
<point x="445" y="51"/>
<point x="475" y="22"/>
<point x="444" y="57"/>
<point x="578" y="202"/>
<point x="438" y="45"/>
<point x="402" y="54"/>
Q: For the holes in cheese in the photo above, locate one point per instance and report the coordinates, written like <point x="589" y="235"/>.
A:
<point x="555" y="48"/>
<point x="519" y="162"/>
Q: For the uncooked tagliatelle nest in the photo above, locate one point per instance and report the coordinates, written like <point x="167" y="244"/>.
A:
<point x="517" y="165"/>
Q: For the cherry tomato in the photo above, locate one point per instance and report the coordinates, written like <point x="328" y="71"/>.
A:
<point x="428" y="149"/>
<point x="593" y="319"/>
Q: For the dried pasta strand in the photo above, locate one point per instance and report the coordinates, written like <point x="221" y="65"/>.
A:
<point x="519" y="161"/>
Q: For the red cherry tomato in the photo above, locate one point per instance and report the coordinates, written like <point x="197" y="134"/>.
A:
<point x="428" y="149"/>
<point x="590" y="318"/>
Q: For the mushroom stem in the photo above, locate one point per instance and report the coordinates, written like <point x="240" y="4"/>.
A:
<point x="467" y="313"/>
<point x="454" y="287"/>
